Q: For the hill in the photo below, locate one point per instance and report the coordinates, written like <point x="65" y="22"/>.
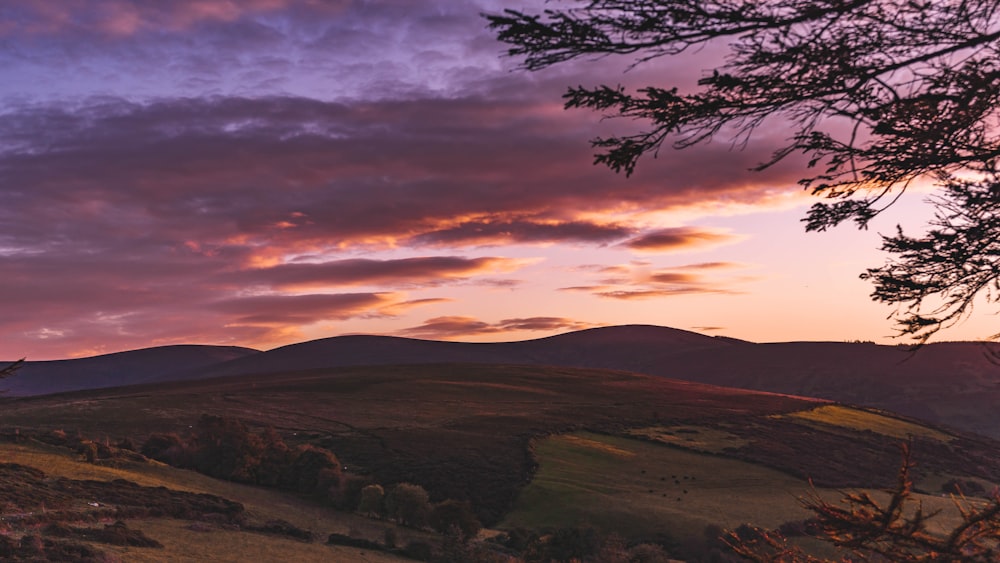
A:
<point x="464" y="430"/>
<point x="644" y="346"/>
<point x="643" y="456"/>
<point x="113" y="370"/>
<point x="953" y="383"/>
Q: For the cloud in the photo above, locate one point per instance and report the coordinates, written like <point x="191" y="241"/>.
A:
<point x="301" y="309"/>
<point x="127" y="17"/>
<point x="305" y="174"/>
<point x="463" y="326"/>
<point x="417" y="271"/>
<point x="513" y="231"/>
<point x="679" y="239"/>
<point x="637" y="281"/>
<point x="212" y="159"/>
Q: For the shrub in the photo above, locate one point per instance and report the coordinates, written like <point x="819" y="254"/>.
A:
<point x="224" y="447"/>
<point x="454" y="514"/>
<point x="408" y="504"/>
<point x="168" y="448"/>
<point x="315" y="471"/>
<point x="372" y="501"/>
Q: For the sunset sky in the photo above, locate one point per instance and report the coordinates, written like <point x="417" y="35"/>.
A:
<point x="264" y="172"/>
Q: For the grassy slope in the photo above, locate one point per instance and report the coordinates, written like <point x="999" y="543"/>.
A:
<point x="183" y="544"/>
<point x="641" y="489"/>
<point x="464" y="431"/>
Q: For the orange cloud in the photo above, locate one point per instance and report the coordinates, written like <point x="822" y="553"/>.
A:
<point x="679" y="239"/>
<point x="634" y="281"/>
<point x="498" y="231"/>
<point x="463" y="326"/>
<point x="418" y="271"/>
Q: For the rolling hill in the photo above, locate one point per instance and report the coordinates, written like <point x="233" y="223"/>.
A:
<point x="952" y="383"/>
<point x="113" y="370"/>
<point x="541" y="445"/>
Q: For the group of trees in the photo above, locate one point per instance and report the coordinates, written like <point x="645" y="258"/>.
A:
<point x="409" y="505"/>
<point x="224" y="447"/>
<point x="874" y="94"/>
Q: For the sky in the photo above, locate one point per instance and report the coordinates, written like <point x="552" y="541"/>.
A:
<point x="265" y="172"/>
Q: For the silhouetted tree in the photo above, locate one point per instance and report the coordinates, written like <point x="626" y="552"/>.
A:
<point x="877" y="94"/>
<point x="896" y="530"/>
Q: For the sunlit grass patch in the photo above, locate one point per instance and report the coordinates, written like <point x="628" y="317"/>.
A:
<point x="586" y="443"/>
<point x="699" y="438"/>
<point x="858" y="419"/>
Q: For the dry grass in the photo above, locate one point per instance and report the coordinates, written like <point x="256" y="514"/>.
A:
<point x="698" y="438"/>
<point x="858" y="419"/>
<point x="181" y="543"/>
<point x="184" y="544"/>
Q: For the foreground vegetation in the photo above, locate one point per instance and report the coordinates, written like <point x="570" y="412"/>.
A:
<point x="412" y="460"/>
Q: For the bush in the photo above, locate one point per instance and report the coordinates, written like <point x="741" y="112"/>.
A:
<point x="372" y="501"/>
<point x="168" y="448"/>
<point x="225" y="448"/>
<point x="316" y="471"/>
<point x="408" y="504"/>
<point x="451" y="514"/>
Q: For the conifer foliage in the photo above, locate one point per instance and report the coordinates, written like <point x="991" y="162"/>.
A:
<point x="875" y="94"/>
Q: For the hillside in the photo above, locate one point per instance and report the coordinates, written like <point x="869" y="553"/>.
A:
<point x="953" y="383"/>
<point x="639" y="348"/>
<point x="113" y="370"/>
<point x="464" y="430"/>
<point x="956" y="384"/>
<point x="647" y="457"/>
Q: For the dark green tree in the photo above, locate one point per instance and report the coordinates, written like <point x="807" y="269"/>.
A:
<point x="876" y="94"/>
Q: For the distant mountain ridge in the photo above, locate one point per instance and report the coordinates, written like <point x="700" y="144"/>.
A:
<point x="952" y="383"/>
<point x="628" y="347"/>
<point x="956" y="384"/>
<point x="117" y="369"/>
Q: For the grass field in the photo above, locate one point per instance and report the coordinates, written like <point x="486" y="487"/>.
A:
<point x="641" y="455"/>
<point x="698" y="438"/>
<point x="642" y="489"/>
<point x="184" y="542"/>
<point x="861" y="419"/>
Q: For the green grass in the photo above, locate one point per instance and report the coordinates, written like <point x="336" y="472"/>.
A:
<point x="858" y="419"/>
<point x="636" y="488"/>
